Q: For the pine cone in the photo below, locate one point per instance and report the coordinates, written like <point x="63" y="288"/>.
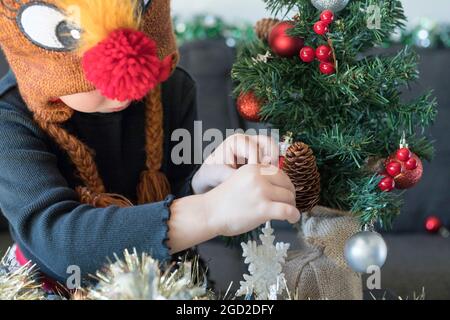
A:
<point x="300" y="165"/>
<point x="264" y="26"/>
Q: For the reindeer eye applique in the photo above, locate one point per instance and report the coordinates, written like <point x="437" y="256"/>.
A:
<point x="146" y="4"/>
<point x="47" y="27"/>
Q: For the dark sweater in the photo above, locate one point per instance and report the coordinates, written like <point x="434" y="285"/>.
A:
<point x="50" y="225"/>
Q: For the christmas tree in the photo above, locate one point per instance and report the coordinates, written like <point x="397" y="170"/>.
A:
<point x="314" y="74"/>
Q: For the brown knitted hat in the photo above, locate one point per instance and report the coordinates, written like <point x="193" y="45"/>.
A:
<point x="59" y="47"/>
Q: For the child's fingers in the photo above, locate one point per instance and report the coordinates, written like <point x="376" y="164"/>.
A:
<point x="224" y="172"/>
<point x="282" y="212"/>
<point x="245" y="150"/>
<point x="268" y="149"/>
<point x="279" y="178"/>
<point x="278" y="194"/>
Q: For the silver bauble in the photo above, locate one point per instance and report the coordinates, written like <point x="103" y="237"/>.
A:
<point x="364" y="250"/>
<point x="333" y="5"/>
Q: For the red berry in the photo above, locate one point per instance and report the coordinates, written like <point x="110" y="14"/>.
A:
<point x="327" y="16"/>
<point x="327" y="68"/>
<point x="394" y="169"/>
<point x="387" y="184"/>
<point x="321" y="28"/>
<point x="411" y="164"/>
<point x="307" y="54"/>
<point x="323" y="53"/>
<point x="404" y="154"/>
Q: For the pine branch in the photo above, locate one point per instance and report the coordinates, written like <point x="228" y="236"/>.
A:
<point x="350" y="117"/>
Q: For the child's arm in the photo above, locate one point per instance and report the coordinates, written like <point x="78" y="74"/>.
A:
<point x="49" y="223"/>
<point x="252" y="196"/>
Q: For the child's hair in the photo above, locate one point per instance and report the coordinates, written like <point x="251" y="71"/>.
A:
<point x="153" y="185"/>
<point x="64" y="75"/>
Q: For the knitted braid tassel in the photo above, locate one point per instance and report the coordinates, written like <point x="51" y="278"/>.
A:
<point x="94" y="192"/>
<point x="102" y="200"/>
<point x="264" y="26"/>
<point x="301" y="167"/>
<point x="154" y="185"/>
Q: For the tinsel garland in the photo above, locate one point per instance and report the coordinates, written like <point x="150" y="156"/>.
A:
<point x="139" y="277"/>
<point x="426" y="34"/>
<point x="18" y="283"/>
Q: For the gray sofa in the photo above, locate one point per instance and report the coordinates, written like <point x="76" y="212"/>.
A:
<point x="416" y="259"/>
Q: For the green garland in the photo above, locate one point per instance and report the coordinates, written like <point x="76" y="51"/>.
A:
<point x="203" y="27"/>
<point x="426" y="34"/>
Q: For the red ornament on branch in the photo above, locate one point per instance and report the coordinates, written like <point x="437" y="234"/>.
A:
<point x="394" y="168"/>
<point x="387" y="184"/>
<point x="324" y="53"/>
<point x="283" y="44"/>
<point x="249" y="106"/>
<point x="321" y="28"/>
<point x="327" y="17"/>
<point x="327" y="68"/>
<point x="307" y="54"/>
<point x="404" y="167"/>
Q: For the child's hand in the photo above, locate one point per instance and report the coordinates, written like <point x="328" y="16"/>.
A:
<point x="253" y="195"/>
<point x="233" y="153"/>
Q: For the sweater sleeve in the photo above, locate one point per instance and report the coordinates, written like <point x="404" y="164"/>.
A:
<point x="52" y="228"/>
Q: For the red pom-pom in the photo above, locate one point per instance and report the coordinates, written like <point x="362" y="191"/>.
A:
<point x="125" y="66"/>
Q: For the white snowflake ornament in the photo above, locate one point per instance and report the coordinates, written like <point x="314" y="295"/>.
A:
<point x="266" y="279"/>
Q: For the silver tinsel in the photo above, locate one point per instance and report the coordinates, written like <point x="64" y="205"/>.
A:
<point x="16" y="282"/>
<point x="364" y="250"/>
<point x="138" y="277"/>
<point x="333" y="5"/>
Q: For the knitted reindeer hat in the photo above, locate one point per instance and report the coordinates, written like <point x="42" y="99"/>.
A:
<point x="123" y="48"/>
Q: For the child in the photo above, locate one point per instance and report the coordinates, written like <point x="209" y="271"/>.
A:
<point x="86" y="116"/>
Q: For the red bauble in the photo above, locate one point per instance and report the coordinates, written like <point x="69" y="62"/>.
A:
<point x="283" y="44"/>
<point x="307" y="54"/>
<point x="408" y="177"/>
<point x="327" y="16"/>
<point x="249" y="106"/>
<point x="433" y="224"/>
<point x="327" y="68"/>
<point x="404" y="154"/>
<point x="387" y="184"/>
<point x="394" y="168"/>
<point x="324" y="53"/>
<point x="281" y="161"/>
<point x="321" y="28"/>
